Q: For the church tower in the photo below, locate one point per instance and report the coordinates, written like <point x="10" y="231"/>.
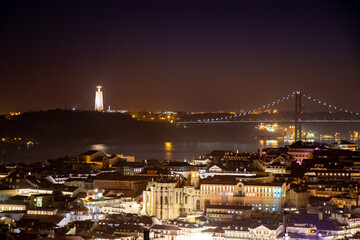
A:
<point x="195" y="179"/>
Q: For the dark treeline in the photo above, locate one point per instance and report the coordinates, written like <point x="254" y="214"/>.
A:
<point x="66" y="125"/>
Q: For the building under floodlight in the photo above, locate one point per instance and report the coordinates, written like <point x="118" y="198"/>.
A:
<point x="99" y="106"/>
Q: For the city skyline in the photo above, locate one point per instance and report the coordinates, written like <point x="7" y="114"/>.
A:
<point x="211" y="120"/>
<point x="189" y="56"/>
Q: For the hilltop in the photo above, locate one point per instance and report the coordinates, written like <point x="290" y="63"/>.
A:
<point x="66" y="125"/>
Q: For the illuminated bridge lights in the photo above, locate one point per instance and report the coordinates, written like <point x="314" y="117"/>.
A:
<point x="330" y="107"/>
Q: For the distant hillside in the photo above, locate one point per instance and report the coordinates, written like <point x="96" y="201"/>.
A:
<point x="74" y="126"/>
<point x="66" y="125"/>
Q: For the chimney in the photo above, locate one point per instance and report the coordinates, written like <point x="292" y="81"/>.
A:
<point x="321" y="215"/>
<point x="146" y="234"/>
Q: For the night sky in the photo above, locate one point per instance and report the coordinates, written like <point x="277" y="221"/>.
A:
<point x="177" y="55"/>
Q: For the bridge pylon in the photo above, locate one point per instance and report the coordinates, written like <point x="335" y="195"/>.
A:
<point x="297" y="119"/>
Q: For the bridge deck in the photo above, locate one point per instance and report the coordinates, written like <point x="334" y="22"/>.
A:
<point x="268" y="121"/>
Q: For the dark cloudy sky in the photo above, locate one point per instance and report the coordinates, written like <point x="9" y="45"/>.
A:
<point x="177" y="55"/>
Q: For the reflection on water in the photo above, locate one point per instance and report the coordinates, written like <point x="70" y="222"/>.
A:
<point x="141" y="151"/>
<point x="272" y="143"/>
<point x="99" y="147"/>
<point x="168" y="150"/>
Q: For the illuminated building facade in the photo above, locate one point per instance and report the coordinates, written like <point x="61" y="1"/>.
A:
<point x="303" y="150"/>
<point x="217" y="193"/>
<point x="168" y="199"/>
<point x="267" y="197"/>
<point x="99" y="106"/>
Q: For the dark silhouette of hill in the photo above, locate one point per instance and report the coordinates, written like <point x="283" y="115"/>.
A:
<point x="73" y="126"/>
<point x="66" y="125"/>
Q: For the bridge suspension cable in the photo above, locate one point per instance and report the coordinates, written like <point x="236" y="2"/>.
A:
<point x="233" y="117"/>
<point x="330" y="107"/>
<point x="242" y="114"/>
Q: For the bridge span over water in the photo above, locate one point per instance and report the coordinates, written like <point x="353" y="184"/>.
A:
<point x="265" y="121"/>
<point x="297" y="121"/>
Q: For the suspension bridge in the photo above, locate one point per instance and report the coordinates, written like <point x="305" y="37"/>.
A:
<point x="298" y="97"/>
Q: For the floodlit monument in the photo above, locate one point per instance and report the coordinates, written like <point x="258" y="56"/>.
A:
<point x="99" y="99"/>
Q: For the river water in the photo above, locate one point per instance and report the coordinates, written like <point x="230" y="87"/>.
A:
<point x="141" y="151"/>
<point x="163" y="150"/>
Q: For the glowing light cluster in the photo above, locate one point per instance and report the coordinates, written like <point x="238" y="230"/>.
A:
<point x="268" y="127"/>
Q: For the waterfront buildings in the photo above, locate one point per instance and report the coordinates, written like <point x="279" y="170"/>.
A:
<point x="96" y="195"/>
<point x="303" y="150"/>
